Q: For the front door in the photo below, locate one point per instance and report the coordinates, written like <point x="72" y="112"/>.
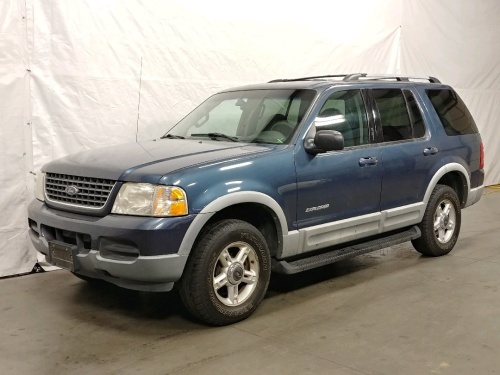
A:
<point x="339" y="191"/>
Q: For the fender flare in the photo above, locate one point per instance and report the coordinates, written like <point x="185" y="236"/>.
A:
<point x="223" y="202"/>
<point x="451" y="167"/>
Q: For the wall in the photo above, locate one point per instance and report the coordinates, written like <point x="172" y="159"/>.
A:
<point x="15" y="140"/>
<point x="459" y="42"/>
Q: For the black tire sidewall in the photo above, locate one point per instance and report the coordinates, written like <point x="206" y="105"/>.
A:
<point x="428" y="243"/>
<point x="207" y="250"/>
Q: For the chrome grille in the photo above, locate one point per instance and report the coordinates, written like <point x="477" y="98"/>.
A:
<point x="78" y="191"/>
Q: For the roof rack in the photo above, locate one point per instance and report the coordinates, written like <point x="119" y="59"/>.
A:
<point x="364" y="76"/>
<point x="308" y="78"/>
<point x="397" y="77"/>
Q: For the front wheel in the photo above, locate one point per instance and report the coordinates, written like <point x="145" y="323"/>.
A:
<point x="227" y="274"/>
<point x="440" y="225"/>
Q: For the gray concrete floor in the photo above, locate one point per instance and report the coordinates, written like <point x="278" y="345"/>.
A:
<point x="390" y="312"/>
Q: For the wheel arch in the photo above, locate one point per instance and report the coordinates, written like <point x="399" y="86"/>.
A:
<point x="453" y="175"/>
<point x="256" y="208"/>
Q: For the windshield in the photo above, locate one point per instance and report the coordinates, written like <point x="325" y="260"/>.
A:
<point x="259" y="116"/>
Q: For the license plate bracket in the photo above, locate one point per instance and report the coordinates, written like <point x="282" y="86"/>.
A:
<point x="63" y="255"/>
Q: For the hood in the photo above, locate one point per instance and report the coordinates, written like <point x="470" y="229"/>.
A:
<point x="149" y="161"/>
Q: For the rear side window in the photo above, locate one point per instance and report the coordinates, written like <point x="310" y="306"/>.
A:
<point x="415" y="114"/>
<point x="394" y="117"/>
<point x="452" y="112"/>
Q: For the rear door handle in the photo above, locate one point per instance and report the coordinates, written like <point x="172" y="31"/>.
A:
<point x="430" y="151"/>
<point x="372" y="160"/>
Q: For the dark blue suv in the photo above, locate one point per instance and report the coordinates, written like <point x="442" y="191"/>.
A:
<point x="284" y="176"/>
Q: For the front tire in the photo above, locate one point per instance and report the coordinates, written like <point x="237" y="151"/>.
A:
<point x="440" y="225"/>
<point x="227" y="273"/>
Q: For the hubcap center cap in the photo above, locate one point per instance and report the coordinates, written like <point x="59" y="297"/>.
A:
<point x="444" y="221"/>
<point x="235" y="273"/>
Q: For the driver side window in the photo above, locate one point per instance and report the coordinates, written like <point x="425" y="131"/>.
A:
<point x="344" y="111"/>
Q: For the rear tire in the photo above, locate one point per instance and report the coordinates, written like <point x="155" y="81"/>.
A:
<point x="440" y="225"/>
<point x="227" y="273"/>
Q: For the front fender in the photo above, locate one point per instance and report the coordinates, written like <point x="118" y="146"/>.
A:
<point x="226" y="201"/>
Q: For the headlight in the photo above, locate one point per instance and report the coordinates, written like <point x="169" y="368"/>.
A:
<point x="150" y="200"/>
<point x="40" y="185"/>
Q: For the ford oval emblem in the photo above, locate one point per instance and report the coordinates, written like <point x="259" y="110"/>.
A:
<point x="72" y="190"/>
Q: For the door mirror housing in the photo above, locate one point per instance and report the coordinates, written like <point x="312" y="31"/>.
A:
<point x="324" y="141"/>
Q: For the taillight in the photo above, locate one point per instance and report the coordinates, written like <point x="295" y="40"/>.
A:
<point x="481" y="156"/>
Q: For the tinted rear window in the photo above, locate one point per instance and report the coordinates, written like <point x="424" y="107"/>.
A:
<point x="452" y="112"/>
<point x="391" y="104"/>
<point x="415" y="114"/>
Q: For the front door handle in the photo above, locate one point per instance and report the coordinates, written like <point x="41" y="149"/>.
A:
<point x="430" y="151"/>
<point x="372" y="160"/>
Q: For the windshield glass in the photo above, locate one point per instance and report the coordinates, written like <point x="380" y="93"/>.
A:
<point x="259" y="116"/>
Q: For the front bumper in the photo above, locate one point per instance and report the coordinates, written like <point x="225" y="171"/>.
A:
<point x="132" y="252"/>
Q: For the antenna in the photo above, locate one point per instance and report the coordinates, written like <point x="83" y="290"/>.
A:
<point x="139" y="103"/>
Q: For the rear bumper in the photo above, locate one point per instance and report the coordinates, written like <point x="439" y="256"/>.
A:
<point x="133" y="252"/>
<point x="474" y="196"/>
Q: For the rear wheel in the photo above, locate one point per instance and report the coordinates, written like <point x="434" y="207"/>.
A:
<point x="440" y="225"/>
<point x="227" y="273"/>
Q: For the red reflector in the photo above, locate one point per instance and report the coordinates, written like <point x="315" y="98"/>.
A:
<point x="481" y="156"/>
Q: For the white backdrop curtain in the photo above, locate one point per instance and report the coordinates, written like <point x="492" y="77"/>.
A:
<point x="70" y="70"/>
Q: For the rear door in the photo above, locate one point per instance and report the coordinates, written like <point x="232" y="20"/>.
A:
<point x="407" y="150"/>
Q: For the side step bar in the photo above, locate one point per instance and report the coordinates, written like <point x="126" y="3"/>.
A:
<point x="333" y="256"/>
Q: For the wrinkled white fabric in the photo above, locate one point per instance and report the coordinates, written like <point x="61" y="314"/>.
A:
<point x="458" y="41"/>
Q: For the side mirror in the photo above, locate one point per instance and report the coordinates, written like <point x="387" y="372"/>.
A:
<point x="324" y="141"/>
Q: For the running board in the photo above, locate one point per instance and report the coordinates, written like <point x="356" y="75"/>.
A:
<point x="314" y="261"/>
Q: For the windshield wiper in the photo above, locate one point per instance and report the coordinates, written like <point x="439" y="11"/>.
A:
<point x="173" y="136"/>
<point x="214" y="136"/>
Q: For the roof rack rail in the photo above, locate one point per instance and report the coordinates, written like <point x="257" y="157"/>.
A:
<point x="356" y="77"/>
<point x="397" y="77"/>
<point x="309" y="78"/>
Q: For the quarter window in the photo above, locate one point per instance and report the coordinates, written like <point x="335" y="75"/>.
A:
<point x="452" y="112"/>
